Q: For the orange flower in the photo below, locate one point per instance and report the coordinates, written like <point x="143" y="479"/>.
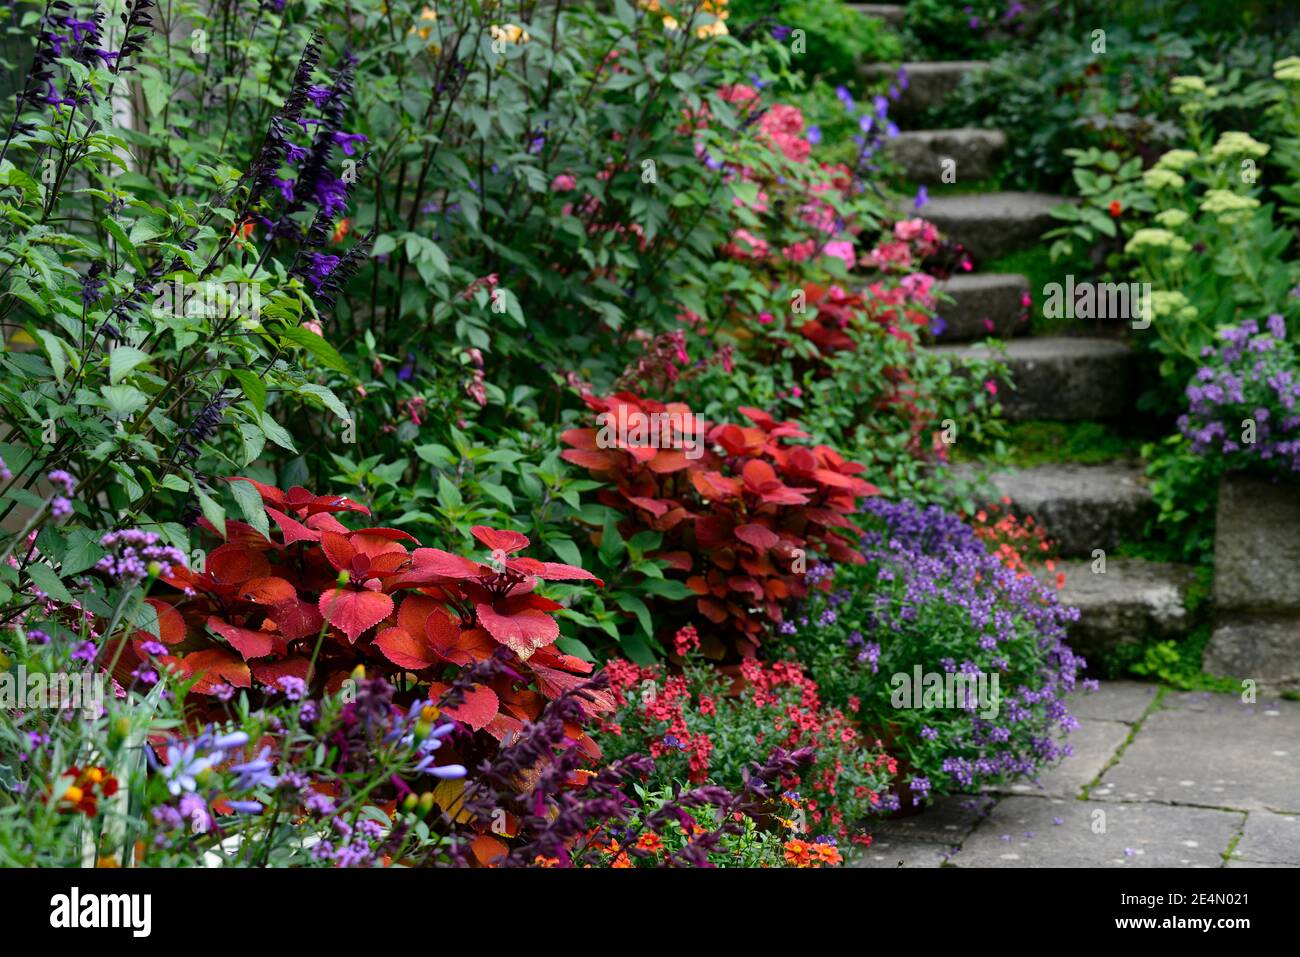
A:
<point x="798" y="853"/>
<point x="342" y="229"/>
<point x="540" y="861"/>
<point x="827" y="854"/>
<point x="650" y="842"/>
<point x="1115" y="208"/>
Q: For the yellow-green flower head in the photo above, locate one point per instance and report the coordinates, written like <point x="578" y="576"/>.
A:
<point x="1156" y="179"/>
<point x="1287" y="70"/>
<point x="1176" y="160"/>
<point x="1172" y="304"/>
<point x="1237" y="144"/>
<point x="1191" y="85"/>
<point x="1226" y="204"/>
<point x="1171" y="218"/>
<point x="1151" y="240"/>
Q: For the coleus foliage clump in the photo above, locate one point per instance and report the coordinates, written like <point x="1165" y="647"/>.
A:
<point x="740" y="517"/>
<point x="323" y="598"/>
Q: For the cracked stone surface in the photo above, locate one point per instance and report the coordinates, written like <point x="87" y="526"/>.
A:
<point x="1214" y="751"/>
<point x="1184" y="779"/>
<point x="1022" y="832"/>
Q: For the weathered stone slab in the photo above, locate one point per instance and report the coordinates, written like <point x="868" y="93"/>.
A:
<point x="1022" y="832"/>
<point x="902" y="854"/>
<point x="1270" y="839"/>
<point x="984" y="304"/>
<point x="1082" y="507"/>
<point x="1257" y="546"/>
<point x="927" y="84"/>
<point x="1264" y="649"/>
<point x="991" y="224"/>
<point x="1113" y="701"/>
<point x="891" y="13"/>
<point x="1215" y="752"/>
<point x="946" y="822"/>
<point x="1059" y="377"/>
<point x="1132" y="600"/>
<point x="966" y="154"/>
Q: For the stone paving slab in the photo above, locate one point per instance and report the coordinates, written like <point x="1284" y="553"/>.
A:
<point x="1094" y="743"/>
<point x="1270" y="839"/>
<point x="1113" y="701"/>
<point x="946" y="822"/>
<point x="1257" y="864"/>
<point x="1212" y="751"/>
<point x="903" y="854"/>
<point x="1136" y="835"/>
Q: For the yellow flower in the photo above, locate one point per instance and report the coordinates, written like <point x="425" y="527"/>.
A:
<point x="1187" y="85"/>
<point x="1172" y="304"/>
<point x="1176" y="160"/>
<point x="427" y="14"/>
<point x="670" y="23"/>
<point x="715" y="29"/>
<point x="1288" y="69"/>
<point x="1226" y="204"/>
<point x="1157" y="179"/>
<point x="1232" y="144"/>
<point x="1171" y="218"/>
<point x="510" y="33"/>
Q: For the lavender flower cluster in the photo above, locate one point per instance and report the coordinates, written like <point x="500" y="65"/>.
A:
<point x="1011" y="625"/>
<point x="132" y="554"/>
<point x="1241" y="404"/>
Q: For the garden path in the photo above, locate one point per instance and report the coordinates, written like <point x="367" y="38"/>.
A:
<point x="1158" y="778"/>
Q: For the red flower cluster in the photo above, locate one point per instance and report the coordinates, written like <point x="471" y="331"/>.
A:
<point x="87" y="787"/>
<point x="263" y="610"/>
<point x="1013" y="540"/>
<point x="740" y="518"/>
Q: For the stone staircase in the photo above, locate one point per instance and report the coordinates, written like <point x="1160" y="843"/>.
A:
<point x="1088" y="509"/>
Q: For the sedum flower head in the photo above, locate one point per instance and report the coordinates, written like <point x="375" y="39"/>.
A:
<point x="1226" y="205"/>
<point x="1287" y="70"/>
<point x="1176" y="160"/>
<point x="1156" y="179"/>
<point x="1173" y="305"/>
<point x="1171" y="218"/>
<point x="1233" y="144"/>
<point x="1191" y="85"/>
<point x="1145" y="240"/>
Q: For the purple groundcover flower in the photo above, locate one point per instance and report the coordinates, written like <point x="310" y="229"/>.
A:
<point x="1241" y="402"/>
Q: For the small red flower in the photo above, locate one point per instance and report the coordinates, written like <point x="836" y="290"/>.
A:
<point x="1116" y="208"/>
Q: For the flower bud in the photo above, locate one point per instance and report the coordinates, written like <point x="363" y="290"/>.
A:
<point x="426" y="803"/>
<point x="344" y="576"/>
<point x="359" y="674"/>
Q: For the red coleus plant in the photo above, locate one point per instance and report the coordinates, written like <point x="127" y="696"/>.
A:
<point x="741" y="507"/>
<point x="324" y="598"/>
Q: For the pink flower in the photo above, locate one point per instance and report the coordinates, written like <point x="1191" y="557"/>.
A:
<point x="991" y="387"/>
<point x="745" y="245"/>
<point x="800" y="252"/>
<point x="918" y="286"/>
<point x="765" y="317"/>
<point x="738" y="93"/>
<point x="842" y="250"/>
<point x="563" y="183"/>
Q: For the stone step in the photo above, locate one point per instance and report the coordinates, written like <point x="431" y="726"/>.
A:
<point x="891" y="13"/>
<point x="928" y="83"/>
<point x="1059" y="377"/>
<point x="984" y="304"/>
<point x="1124" y="601"/>
<point x="1082" y="507"/>
<point x="991" y="224"/>
<point x="968" y="153"/>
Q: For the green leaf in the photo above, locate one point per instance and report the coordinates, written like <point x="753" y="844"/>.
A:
<point x="318" y="347"/>
<point x="611" y="543"/>
<point x="122" y="360"/>
<point x="448" y="494"/>
<point x="54" y="349"/>
<point x="212" y="509"/>
<point x="250" y="503"/>
<point x="253" y="386"/>
<point x="637" y="607"/>
<point x="276" y="433"/>
<point x="45" y="578"/>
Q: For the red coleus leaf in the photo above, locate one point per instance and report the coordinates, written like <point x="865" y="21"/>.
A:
<point x="232" y="564"/>
<point x="268" y="591"/>
<point x="300" y="500"/>
<point x="405" y="649"/>
<point x="429" y="565"/>
<point x="296" y="619"/>
<point x="354" y="611"/>
<point x="249" y="644"/>
<point x="270" y="494"/>
<point x="598" y="461"/>
<point x="460" y="646"/>
<point x="488" y="850"/>
<point x="478" y="709"/>
<point x="292" y="529"/>
<point x="757" y="536"/>
<point x="214" y="667"/>
<point x="171" y="624"/>
<point x="554" y="683"/>
<point x="551" y="571"/>
<point x="521" y="629"/>
<point x="500" y="539"/>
